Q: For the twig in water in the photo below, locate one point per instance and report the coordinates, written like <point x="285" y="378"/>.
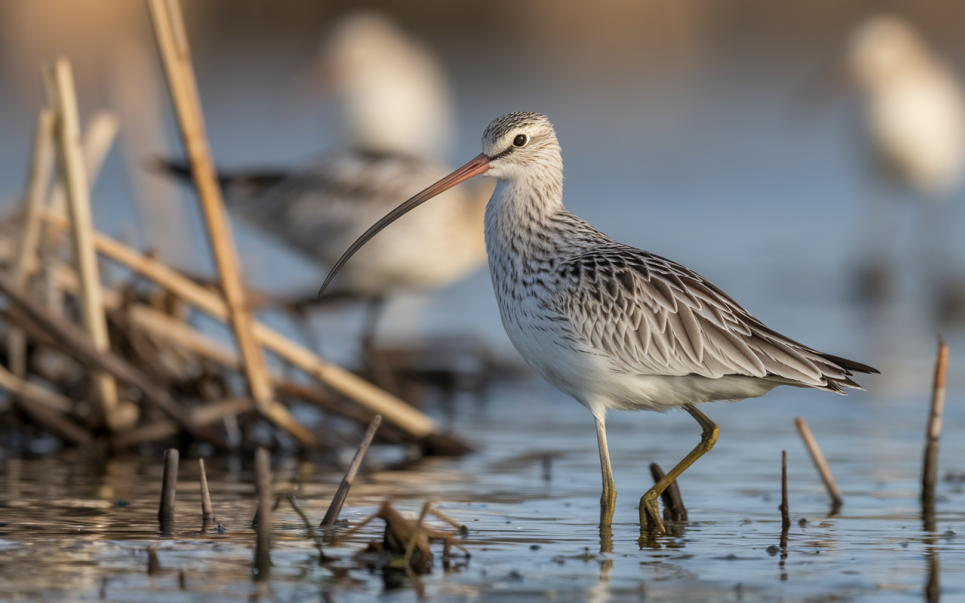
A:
<point x="169" y="484"/>
<point x="308" y="525"/>
<point x="339" y="499"/>
<point x="673" y="502"/>
<point x="820" y="463"/>
<point x="785" y="511"/>
<point x="263" y="488"/>
<point x="207" y="516"/>
<point x="934" y="431"/>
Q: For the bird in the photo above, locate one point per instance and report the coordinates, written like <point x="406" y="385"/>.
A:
<point x="612" y="326"/>
<point x="396" y="106"/>
<point x="915" y="109"/>
<point x="319" y="210"/>
<point x="914" y="124"/>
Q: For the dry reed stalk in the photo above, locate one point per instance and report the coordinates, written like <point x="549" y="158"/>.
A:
<point x="201" y="417"/>
<point x="53" y="420"/>
<point x="397" y="412"/>
<point x="62" y="98"/>
<point x="819" y="462"/>
<point x="263" y="488"/>
<point x="38" y="180"/>
<point x="207" y="516"/>
<point x="342" y="493"/>
<point x="173" y="43"/>
<point x="78" y="344"/>
<point x="169" y="486"/>
<point x="785" y="510"/>
<point x="934" y="431"/>
<point x="21" y="387"/>
<point x="98" y="137"/>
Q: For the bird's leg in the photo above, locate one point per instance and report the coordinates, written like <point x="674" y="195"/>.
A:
<point x="649" y="512"/>
<point x="379" y="369"/>
<point x="609" y="499"/>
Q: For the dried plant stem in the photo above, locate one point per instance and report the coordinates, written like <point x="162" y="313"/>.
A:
<point x="342" y="493"/>
<point x="397" y="412"/>
<point x="63" y="99"/>
<point x="169" y="485"/>
<point x="207" y="516"/>
<point x="21" y="387"/>
<point x="173" y="44"/>
<point x="38" y="179"/>
<point x="263" y="488"/>
<point x="934" y="430"/>
<point x="819" y="462"/>
<point x="79" y="345"/>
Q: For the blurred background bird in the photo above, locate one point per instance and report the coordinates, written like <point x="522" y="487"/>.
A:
<point x="914" y="120"/>
<point x="396" y="108"/>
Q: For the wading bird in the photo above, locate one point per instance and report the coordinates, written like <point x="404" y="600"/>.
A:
<point x="614" y="327"/>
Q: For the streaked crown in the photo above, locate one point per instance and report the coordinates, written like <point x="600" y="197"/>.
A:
<point x="517" y="143"/>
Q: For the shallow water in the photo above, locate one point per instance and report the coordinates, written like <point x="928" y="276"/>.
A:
<point x="78" y="530"/>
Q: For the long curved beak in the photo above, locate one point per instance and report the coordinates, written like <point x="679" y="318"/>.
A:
<point x="479" y="165"/>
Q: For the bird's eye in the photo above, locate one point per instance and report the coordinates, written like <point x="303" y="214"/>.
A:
<point x="520" y="140"/>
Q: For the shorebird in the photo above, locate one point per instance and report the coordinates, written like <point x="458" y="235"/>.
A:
<point x="614" y="327"/>
<point x="915" y="115"/>
<point x="395" y="104"/>
<point x="915" y="128"/>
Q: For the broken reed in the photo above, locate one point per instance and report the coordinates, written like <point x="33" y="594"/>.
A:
<point x="262" y="567"/>
<point x="340" y="495"/>
<point x="820" y="463"/>
<point x="169" y="485"/>
<point x="934" y="430"/>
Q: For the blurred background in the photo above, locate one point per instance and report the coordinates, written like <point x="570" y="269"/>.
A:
<point x="732" y="137"/>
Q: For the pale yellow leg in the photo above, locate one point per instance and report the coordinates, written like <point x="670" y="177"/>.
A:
<point x="649" y="511"/>
<point x="608" y="501"/>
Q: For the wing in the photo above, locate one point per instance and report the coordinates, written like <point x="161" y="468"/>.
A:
<point x="336" y="198"/>
<point x="652" y="316"/>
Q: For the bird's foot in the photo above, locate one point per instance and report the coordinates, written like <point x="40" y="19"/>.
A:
<point x="650" y="513"/>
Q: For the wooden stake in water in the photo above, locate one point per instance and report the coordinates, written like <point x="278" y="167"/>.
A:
<point x="820" y="463"/>
<point x="263" y="489"/>
<point x="169" y="484"/>
<point x="673" y="502"/>
<point x="785" y="510"/>
<point x="934" y="430"/>
<point x="339" y="499"/>
<point x="207" y="516"/>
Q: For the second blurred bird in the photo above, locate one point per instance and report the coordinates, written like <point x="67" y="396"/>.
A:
<point x="397" y="116"/>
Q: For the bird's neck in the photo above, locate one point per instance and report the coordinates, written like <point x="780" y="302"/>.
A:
<point x="521" y="217"/>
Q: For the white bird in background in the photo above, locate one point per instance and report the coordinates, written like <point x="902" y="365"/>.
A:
<point x="614" y="327"/>
<point x="393" y="91"/>
<point x="915" y="105"/>
<point x="396" y="106"/>
<point x="915" y="125"/>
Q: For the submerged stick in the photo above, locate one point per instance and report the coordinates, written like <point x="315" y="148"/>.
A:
<point x="207" y="516"/>
<point x="169" y="484"/>
<point x="785" y="510"/>
<point x="339" y="499"/>
<point x="73" y="173"/>
<point x="673" y="502"/>
<point x="934" y="430"/>
<point x="263" y="516"/>
<point x="820" y="463"/>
